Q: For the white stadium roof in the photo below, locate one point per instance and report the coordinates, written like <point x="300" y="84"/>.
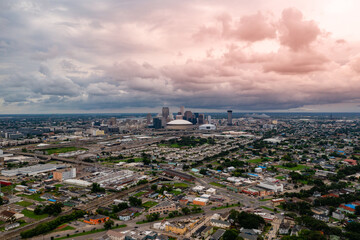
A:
<point x="179" y="122"/>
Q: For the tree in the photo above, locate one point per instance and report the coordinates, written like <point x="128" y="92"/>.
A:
<point x="185" y="210"/>
<point x="152" y="217"/>
<point x="154" y="187"/>
<point x="203" y="171"/>
<point x="95" y="187"/>
<point x="246" y="220"/>
<point x="135" y="201"/>
<point x="108" y="224"/>
<point x="186" y="167"/>
<point x="231" y="235"/>
<point x="142" y="181"/>
<point x="357" y="210"/>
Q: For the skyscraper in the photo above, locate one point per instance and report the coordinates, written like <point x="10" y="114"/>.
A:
<point x="188" y="115"/>
<point x="201" y="119"/>
<point x="165" y="116"/>
<point x="165" y="112"/>
<point x="148" y="118"/>
<point x="229" y="117"/>
<point x="112" y="121"/>
<point x="157" y="123"/>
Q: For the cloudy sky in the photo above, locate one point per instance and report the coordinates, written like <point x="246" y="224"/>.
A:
<point x="66" y="56"/>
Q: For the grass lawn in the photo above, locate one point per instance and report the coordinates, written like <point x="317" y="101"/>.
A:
<point x="280" y="177"/>
<point x="181" y="185"/>
<point x="175" y="192"/>
<point x="137" y="214"/>
<point x="62" y="150"/>
<point x="31" y="214"/>
<point x="267" y="208"/>
<point x="217" y="184"/>
<point x="229" y="206"/>
<point x="265" y="199"/>
<point x="61" y="228"/>
<point x="298" y="167"/>
<point x="59" y="185"/>
<point x="258" y="160"/>
<point x="24" y="203"/>
<point x="178" y="185"/>
<point x="139" y="194"/>
<point x="149" y="204"/>
<point x="174" y="145"/>
<point x="7" y="189"/>
<point x="138" y="159"/>
<point x="35" y="196"/>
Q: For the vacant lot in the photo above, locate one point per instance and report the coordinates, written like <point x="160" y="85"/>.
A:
<point x="297" y="168"/>
<point x="31" y="214"/>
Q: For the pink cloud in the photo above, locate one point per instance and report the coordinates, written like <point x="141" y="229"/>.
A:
<point x="254" y="28"/>
<point x="289" y="62"/>
<point x="295" y="32"/>
<point x="250" y="28"/>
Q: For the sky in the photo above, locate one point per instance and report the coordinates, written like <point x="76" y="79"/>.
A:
<point x="65" y="56"/>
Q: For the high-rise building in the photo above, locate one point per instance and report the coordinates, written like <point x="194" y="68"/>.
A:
<point x="165" y="112"/>
<point x="112" y="121"/>
<point x="229" y="118"/>
<point x="209" y="119"/>
<point x="157" y="123"/>
<point x="201" y="119"/>
<point x="182" y="110"/>
<point x="188" y="115"/>
<point x="148" y="118"/>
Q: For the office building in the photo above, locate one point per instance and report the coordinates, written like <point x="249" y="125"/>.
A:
<point x="157" y="123"/>
<point x="229" y="117"/>
<point x="201" y="119"/>
<point x="148" y="118"/>
<point x="188" y="115"/>
<point x="165" y="112"/>
<point x="64" y="174"/>
<point x="112" y="121"/>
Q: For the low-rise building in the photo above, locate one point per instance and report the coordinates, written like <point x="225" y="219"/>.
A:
<point x="97" y="219"/>
<point x="218" y="234"/>
<point x="220" y="223"/>
<point x="163" y="207"/>
<point x="200" y="201"/>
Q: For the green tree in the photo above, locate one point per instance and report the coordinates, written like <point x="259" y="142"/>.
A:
<point x="136" y="202"/>
<point x="231" y="235"/>
<point x="95" y="187"/>
<point x="203" y="171"/>
<point x="185" y="210"/>
<point x="154" y="187"/>
<point x="108" y="224"/>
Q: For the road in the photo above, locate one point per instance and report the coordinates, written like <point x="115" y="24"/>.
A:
<point x="130" y="226"/>
<point x="87" y="207"/>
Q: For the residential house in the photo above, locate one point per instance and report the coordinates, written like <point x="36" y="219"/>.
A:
<point x="219" y="223"/>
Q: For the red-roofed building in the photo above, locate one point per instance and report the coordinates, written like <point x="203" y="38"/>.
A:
<point x="351" y="162"/>
<point x="330" y="195"/>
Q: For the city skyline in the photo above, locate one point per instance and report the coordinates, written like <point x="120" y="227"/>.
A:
<point x="129" y="57"/>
